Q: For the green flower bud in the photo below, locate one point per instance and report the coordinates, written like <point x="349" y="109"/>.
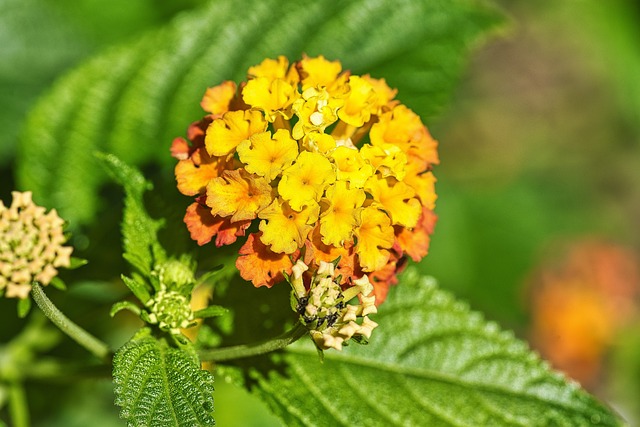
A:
<point x="176" y="274"/>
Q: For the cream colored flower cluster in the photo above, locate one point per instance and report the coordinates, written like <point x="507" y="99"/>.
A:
<point x="324" y="308"/>
<point x="30" y="246"/>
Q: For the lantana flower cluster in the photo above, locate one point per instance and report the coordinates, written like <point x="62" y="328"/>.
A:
<point x="31" y="246"/>
<point x="310" y="162"/>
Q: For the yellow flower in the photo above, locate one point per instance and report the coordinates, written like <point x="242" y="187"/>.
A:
<point x="387" y="160"/>
<point x="341" y="216"/>
<point x="319" y="72"/>
<point x="384" y="94"/>
<point x="397" y="200"/>
<point x="266" y="156"/>
<point x="274" y="69"/>
<point x="224" y="134"/>
<point x="315" y="110"/>
<point x="305" y="181"/>
<point x="273" y="97"/>
<point x="351" y="167"/>
<point x="423" y="183"/>
<point x="404" y="129"/>
<point x="285" y="229"/>
<point x="318" y="142"/>
<point x="359" y="104"/>
<point x="238" y="194"/>
<point x="375" y="237"/>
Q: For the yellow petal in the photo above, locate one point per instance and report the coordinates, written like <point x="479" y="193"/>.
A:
<point x="238" y="194"/>
<point x="387" y="160"/>
<point x="284" y="229"/>
<point x="305" y="181"/>
<point x="398" y="200"/>
<point x="375" y="237"/>
<point x="359" y="104"/>
<point x="341" y="216"/>
<point x="224" y="134"/>
<point x="273" y="97"/>
<point x="351" y="166"/>
<point x="266" y="156"/>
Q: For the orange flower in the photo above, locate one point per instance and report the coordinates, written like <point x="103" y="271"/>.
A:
<point x="260" y="265"/>
<point x="217" y="99"/>
<point x="203" y="226"/>
<point x="238" y="194"/>
<point x="579" y="302"/>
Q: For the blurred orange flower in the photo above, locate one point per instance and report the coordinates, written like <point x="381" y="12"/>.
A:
<point x="579" y="304"/>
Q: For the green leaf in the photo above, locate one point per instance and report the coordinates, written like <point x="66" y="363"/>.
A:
<point x="138" y="288"/>
<point x="124" y="305"/>
<point x="133" y="100"/>
<point x="58" y="283"/>
<point x="77" y="263"/>
<point x="24" y="306"/>
<point x="211" y="311"/>
<point x="157" y="385"/>
<point x="139" y="231"/>
<point x="431" y="362"/>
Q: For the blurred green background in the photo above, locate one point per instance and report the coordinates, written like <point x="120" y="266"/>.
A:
<point x="540" y="150"/>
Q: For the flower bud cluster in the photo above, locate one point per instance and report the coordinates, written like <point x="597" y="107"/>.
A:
<point x="325" y="310"/>
<point x="30" y="246"/>
<point x="170" y="310"/>
<point x="170" y="306"/>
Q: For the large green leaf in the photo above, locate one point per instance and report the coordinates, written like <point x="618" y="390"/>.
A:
<point x="431" y="362"/>
<point x="157" y="385"/>
<point x="131" y="101"/>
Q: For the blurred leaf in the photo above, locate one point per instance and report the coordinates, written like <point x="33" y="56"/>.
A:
<point x="133" y="100"/>
<point x="211" y="311"/>
<point x="77" y="263"/>
<point x="431" y="362"/>
<point x="40" y="39"/>
<point x="161" y="386"/>
<point x="24" y="306"/>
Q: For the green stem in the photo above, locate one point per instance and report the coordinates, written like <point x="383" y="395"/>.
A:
<point x="74" y="331"/>
<point x="18" y="405"/>
<point x="247" y="350"/>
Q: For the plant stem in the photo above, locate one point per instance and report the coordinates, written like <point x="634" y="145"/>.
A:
<point x="18" y="405"/>
<point x="74" y="331"/>
<point x="247" y="350"/>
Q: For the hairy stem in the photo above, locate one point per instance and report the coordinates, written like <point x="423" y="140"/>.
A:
<point x="75" y="332"/>
<point x="18" y="405"/>
<point x="247" y="350"/>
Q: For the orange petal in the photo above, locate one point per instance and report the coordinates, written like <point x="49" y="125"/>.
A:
<point x="180" y="149"/>
<point x="387" y="276"/>
<point x="217" y="99"/>
<point x="415" y="242"/>
<point x="259" y="265"/>
<point x="194" y="173"/>
<point x="203" y="226"/>
<point x="238" y="194"/>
